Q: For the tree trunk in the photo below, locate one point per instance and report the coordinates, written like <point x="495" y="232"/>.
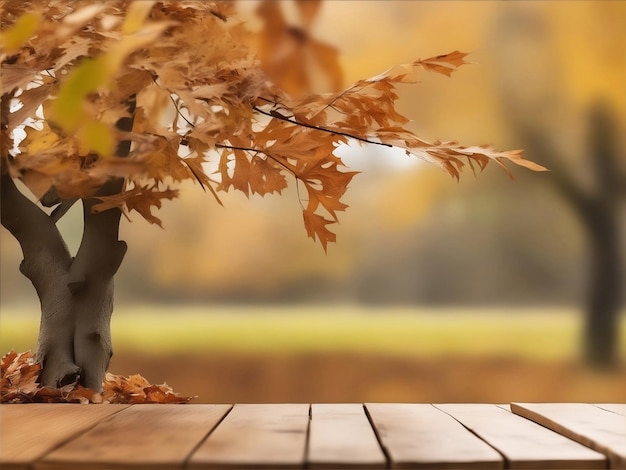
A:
<point x="598" y="211"/>
<point x="604" y="298"/>
<point x="76" y="295"/>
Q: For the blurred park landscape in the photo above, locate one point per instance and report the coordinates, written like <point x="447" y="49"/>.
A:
<point x="436" y="290"/>
<point x="350" y="353"/>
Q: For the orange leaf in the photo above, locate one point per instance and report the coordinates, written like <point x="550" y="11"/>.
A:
<point x="444" y="64"/>
<point x="316" y="228"/>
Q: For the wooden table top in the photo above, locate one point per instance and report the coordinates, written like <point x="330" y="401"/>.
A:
<point x="317" y="436"/>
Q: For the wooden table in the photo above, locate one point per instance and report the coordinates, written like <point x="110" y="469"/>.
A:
<point x="318" y="436"/>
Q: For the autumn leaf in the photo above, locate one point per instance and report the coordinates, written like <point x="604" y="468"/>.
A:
<point x="18" y="384"/>
<point x="444" y="64"/>
<point x="68" y="108"/>
<point x="266" y="176"/>
<point x="141" y="199"/>
<point x="289" y="52"/>
<point x="136" y="16"/>
<point x="18" y="376"/>
<point x="19" y="33"/>
<point x="316" y="228"/>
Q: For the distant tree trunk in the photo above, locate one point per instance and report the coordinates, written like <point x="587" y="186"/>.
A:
<point x="599" y="212"/>
<point x="530" y="91"/>
<point x="601" y="217"/>
<point x="604" y="296"/>
<point x="76" y="294"/>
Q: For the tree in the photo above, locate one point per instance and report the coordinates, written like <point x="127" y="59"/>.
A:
<point x="591" y="179"/>
<point x="121" y="101"/>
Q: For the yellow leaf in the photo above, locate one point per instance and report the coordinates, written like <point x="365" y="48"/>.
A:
<point x="68" y="110"/>
<point x="97" y="137"/>
<point x="128" y="44"/>
<point x="136" y="15"/>
<point x="23" y="29"/>
<point x="37" y="140"/>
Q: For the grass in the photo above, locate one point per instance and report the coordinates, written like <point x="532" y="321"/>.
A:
<point x="546" y="334"/>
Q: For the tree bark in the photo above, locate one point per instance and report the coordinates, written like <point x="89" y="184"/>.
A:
<point x="46" y="263"/>
<point x="76" y="295"/>
<point x="601" y="338"/>
<point x="601" y="219"/>
<point x="91" y="284"/>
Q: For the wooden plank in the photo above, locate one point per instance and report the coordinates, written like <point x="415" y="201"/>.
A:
<point x="27" y="432"/>
<point x="619" y="408"/>
<point x="257" y="436"/>
<point x="341" y="436"/>
<point x="141" y="436"/>
<point x="594" y="427"/>
<point x="523" y="443"/>
<point x="421" y="436"/>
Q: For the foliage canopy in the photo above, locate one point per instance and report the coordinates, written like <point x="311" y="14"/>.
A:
<point x="210" y="100"/>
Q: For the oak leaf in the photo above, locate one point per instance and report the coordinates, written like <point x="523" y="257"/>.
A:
<point x="444" y="64"/>
<point x="315" y="226"/>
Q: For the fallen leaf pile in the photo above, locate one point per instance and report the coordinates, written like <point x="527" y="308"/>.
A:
<point x="18" y="384"/>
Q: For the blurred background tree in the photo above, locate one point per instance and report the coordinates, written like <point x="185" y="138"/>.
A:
<point x="582" y="142"/>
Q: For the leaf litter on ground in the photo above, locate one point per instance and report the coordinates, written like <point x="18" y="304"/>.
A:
<point x="19" y="373"/>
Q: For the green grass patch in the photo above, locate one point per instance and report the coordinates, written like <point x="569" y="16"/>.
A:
<point x="530" y="333"/>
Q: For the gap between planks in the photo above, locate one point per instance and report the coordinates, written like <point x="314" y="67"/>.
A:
<point x="523" y="443"/>
<point x="142" y="436"/>
<point x="318" y="436"/>
<point x="594" y="426"/>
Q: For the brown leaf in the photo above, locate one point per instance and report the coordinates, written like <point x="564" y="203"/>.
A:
<point x="308" y="11"/>
<point x="444" y="64"/>
<point x="141" y="199"/>
<point x="18" y="384"/>
<point x="18" y="376"/>
<point x="316" y="228"/>
<point x="288" y="52"/>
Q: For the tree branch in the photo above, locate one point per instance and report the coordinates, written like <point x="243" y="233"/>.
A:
<point x="538" y="145"/>
<point x="30" y="225"/>
<point x="277" y="115"/>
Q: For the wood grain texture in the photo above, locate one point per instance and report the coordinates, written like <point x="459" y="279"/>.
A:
<point x="142" y="436"/>
<point x="341" y="436"/>
<point x="590" y="425"/>
<point x="421" y="436"/>
<point x="523" y="443"/>
<point x="27" y="432"/>
<point x="257" y="436"/>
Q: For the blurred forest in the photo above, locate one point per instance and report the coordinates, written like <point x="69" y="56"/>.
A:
<point x="412" y="234"/>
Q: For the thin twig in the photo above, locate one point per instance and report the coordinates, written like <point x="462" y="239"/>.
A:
<point x="264" y="152"/>
<point x="277" y="115"/>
